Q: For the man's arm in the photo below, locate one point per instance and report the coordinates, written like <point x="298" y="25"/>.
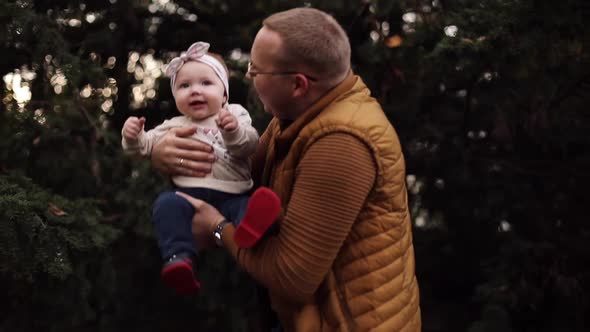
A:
<point x="333" y="181"/>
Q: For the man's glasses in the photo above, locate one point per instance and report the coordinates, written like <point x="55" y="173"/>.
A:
<point x="254" y="73"/>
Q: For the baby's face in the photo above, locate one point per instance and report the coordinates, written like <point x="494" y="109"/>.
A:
<point x="198" y="92"/>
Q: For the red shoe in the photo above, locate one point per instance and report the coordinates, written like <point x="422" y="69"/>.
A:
<point x="178" y="274"/>
<point x="263" y="209"/>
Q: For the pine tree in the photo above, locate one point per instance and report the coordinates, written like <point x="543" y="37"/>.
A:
<point x="490" y="99"/>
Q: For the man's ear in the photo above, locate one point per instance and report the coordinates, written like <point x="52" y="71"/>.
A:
<point x="300" y="85"/>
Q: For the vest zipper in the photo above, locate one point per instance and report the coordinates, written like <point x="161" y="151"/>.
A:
<point x="345" y="309"/>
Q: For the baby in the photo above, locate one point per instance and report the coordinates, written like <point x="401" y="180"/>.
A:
<point x="199" y="82"/>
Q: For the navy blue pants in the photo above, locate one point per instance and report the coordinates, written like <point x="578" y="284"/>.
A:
<point x="172" y="217"/>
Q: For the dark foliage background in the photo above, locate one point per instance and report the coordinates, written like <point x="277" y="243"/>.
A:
<point x="490" y="98"/>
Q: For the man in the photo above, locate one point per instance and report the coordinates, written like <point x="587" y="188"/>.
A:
<point x="343" y="259"/>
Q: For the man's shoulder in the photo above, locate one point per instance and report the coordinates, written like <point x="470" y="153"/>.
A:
<point x="354" y="111"/>
<point x="363" y="118"/>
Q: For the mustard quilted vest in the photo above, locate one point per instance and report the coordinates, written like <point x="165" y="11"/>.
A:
<point x="371" y="285"/>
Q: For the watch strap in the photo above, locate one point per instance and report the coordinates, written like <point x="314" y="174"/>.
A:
<point x="218" y="232"/>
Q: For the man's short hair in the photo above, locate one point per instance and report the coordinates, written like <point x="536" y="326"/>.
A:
<point x="312" y="39"/>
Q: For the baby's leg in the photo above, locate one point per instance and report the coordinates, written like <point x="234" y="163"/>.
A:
<point x="253" y="216"/>
<point x="172" y="218"/>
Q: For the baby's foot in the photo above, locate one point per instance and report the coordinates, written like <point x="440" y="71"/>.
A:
<point x="263" y="209"/>
<point x="178" y="274"/>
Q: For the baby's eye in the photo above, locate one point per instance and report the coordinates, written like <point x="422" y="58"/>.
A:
<point x="183" y="85"/>
<point x="207" y="82"/>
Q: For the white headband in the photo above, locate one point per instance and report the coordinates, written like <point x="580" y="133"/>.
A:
<point x="197" y="52"/>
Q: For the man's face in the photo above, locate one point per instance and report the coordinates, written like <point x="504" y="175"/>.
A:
<point x="273" y="90"/>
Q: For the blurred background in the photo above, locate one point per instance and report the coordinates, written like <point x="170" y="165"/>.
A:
<point x="491" y="99"/>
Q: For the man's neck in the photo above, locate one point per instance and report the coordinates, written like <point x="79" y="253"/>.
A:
<point x="315" y="94"/>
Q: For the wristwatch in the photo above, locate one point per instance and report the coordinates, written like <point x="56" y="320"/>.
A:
<point x="219" y="231"/>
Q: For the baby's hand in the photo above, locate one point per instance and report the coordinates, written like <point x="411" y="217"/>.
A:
<point x="227" y="121"/>
<point x="132" y="127"/>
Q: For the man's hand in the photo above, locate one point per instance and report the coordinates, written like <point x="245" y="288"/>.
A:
<point x="132" y="127"/>
<point x="227" y="121"/>
<point x="178" y="154"/>
<point x="204" y="222"/>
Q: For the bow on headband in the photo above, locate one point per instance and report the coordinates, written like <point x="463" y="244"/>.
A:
<point x="197" y="52"/>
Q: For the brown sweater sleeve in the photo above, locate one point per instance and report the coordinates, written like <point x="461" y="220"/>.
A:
<point x="332" y="183"/>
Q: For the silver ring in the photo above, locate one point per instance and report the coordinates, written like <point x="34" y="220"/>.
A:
<point x="181" y="161"/>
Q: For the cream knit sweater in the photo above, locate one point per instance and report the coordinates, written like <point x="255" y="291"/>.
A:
<point x="231" y="170"/>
